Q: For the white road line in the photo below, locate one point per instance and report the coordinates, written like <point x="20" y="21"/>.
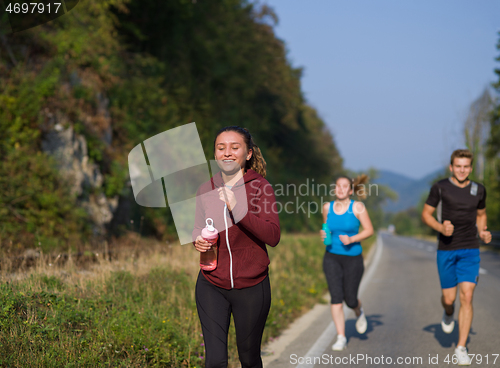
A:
<point x="376" y="259"/>
<point x="324" y="340"/>
<point x="278" y="346"/>
<point x="482" y="271"/>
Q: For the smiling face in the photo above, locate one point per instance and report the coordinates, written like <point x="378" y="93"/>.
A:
<point x="343" y="188"/>
<point x="231" y="152"/>
<point x="461" y="169"/>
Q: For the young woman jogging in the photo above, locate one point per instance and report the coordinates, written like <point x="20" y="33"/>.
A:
<point x="243" y="208"/>
<point x="343" y="262"/>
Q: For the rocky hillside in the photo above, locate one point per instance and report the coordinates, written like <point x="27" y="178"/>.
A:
<point x="78" y="93"/>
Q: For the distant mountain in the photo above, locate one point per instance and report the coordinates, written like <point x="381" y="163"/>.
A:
<point x="409" y="191"/>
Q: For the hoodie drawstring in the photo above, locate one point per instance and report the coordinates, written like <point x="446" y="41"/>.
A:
<point x="229" y="248"/>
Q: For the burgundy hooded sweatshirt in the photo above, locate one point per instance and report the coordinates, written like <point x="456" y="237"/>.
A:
<point x="252" y="224"/>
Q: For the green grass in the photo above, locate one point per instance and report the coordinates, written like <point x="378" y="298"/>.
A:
<point x="127" y="321"/>
<point x="136" y="312"/>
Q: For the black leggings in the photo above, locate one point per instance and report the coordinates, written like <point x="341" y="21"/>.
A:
<point x="343" y="275"/>
<point x="249" y="306"/>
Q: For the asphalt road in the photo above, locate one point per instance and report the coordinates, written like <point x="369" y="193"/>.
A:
<point x="401" y="296"/>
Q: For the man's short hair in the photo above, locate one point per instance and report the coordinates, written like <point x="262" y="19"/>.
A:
<point x="461" y="153"/>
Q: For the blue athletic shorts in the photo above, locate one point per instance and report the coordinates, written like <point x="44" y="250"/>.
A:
<point x="456" y="266"/>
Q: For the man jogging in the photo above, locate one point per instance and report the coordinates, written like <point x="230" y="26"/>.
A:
<point x="461" y="218"/>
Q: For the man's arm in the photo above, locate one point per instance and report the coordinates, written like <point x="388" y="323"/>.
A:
<point x="446" y="228"/>
<point x="481" y="220"/>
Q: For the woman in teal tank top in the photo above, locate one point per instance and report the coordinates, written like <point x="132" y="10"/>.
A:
<point x="343" y="262"/>
<point x="343" y="224"/>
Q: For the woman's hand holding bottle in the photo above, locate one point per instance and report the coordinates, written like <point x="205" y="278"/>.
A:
<point x="326" y="235"/>
<point x="201" y="244"/>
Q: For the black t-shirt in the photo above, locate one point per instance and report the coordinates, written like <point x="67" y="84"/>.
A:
<point x="459" y="206"/>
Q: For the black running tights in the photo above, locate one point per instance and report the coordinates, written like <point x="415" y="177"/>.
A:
<point x="249" y="306"/>
<point x="343" y="275"/>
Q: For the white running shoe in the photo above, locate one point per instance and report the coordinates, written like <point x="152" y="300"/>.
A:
<point x="340" y="343"/>
<point x="447" y="323"/>
<point x="462" y="356"/>
<point x="361" y="324"/>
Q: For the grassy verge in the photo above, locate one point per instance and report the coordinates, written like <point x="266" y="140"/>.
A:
<point x="368" y="243"/>
<point x="137" y="311"/>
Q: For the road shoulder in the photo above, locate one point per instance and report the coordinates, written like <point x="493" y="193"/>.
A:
<point x="313" y="322"/>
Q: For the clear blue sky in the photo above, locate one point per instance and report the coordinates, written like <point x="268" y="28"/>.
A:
<point x="393" y="80"/>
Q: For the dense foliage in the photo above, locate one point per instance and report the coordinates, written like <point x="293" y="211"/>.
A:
<point x="224" y="66"/>
<point x="493" y="159"/>
<point x="121" y="71"/>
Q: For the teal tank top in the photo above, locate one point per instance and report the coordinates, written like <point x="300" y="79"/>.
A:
<point x="345" y="224"/>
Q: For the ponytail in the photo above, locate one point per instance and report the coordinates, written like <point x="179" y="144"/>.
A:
<point x="358" y="186"/>
<point x="256" y="162"/>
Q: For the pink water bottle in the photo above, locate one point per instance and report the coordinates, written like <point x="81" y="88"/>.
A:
<point x="208" y="259"/>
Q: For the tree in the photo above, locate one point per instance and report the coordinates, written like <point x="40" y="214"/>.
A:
<point x="493" y="157"/>
<point x="159" y="64"/>
<point x="476" y="131"/>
